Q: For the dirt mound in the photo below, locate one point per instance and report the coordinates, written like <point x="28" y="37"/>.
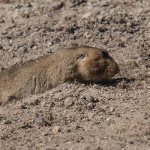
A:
<point x="109" y="115"/>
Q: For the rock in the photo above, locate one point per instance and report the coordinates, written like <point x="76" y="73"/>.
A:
<point x="49" y="44"/>
<point x="91" y="115"/>
<point x="108" y="119"/>
<point x="89" y="98"/>
<point x="68" y="102"/>
<point x="112" y="109"/>
<point x="86" y="15"/>
<point x="58" y="5"/>
<point x="87" y="35"/>
<point x="56" y="129"/>
<point x="90" y="106"/>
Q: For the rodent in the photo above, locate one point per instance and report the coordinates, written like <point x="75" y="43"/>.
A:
<point x="82" y="64"/>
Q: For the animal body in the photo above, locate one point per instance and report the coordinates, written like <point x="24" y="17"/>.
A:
<point x="83" y="64"/>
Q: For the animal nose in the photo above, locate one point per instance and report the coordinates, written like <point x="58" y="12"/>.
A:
<point x="105" y="54"/>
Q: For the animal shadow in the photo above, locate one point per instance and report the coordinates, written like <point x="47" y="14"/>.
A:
<point x="115" y="82"/>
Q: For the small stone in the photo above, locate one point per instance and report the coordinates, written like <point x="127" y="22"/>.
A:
<point x="34" y="47"/>
<point x="86" y="15"/>
<point x="56" y="129"/>
<point x="90" y="105"/>
<point x="112" y="109"/>
<point x="131" y="110"/>
<point x="10" y="41"/>
<point x="26" y="13"/>
<point x="90" y="115"/>
<point x="108" y="119"/>
<point x="68" y="102"/>
<point x="58" y="5"/>
<point x="129" y="24"/>
<point x="89" y="98"/>
<point x="82" y="97"/>
<point x="23" y="49"/>
<point x="49" y="44"/>
<point x="43" y="104"/>
<point x="87" y="35"/>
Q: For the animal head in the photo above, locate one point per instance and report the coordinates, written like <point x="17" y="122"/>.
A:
<point x="95" y="64"/>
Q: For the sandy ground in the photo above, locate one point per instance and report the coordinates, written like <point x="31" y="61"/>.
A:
<point x="108" y="116"/>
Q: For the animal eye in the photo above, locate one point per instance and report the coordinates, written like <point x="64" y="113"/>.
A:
<point x="81" y="56"/>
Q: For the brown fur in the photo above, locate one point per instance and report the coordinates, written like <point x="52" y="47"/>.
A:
<point x="84" y="64"/>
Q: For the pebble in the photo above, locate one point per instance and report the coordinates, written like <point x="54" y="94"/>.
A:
<point x="108" y="119"/>
<point x="91" y="115"/>
<point x="90" y="106"/>
<point x="56" y="129"/>
<point x="68" y="102"/>
<point x="89" y="98"/>
<point x="49" y="44"/>
<point x="87" y="35"/>
<point x="112" y="109"/>
<point x="86" y="15"/>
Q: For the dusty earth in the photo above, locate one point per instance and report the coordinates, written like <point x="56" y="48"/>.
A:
<point x="111" y="115"/>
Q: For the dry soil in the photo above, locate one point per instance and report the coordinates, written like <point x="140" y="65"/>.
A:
<point x="111" y="115"/>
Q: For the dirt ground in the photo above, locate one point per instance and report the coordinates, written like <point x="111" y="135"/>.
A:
<point x="112" y="115"/>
